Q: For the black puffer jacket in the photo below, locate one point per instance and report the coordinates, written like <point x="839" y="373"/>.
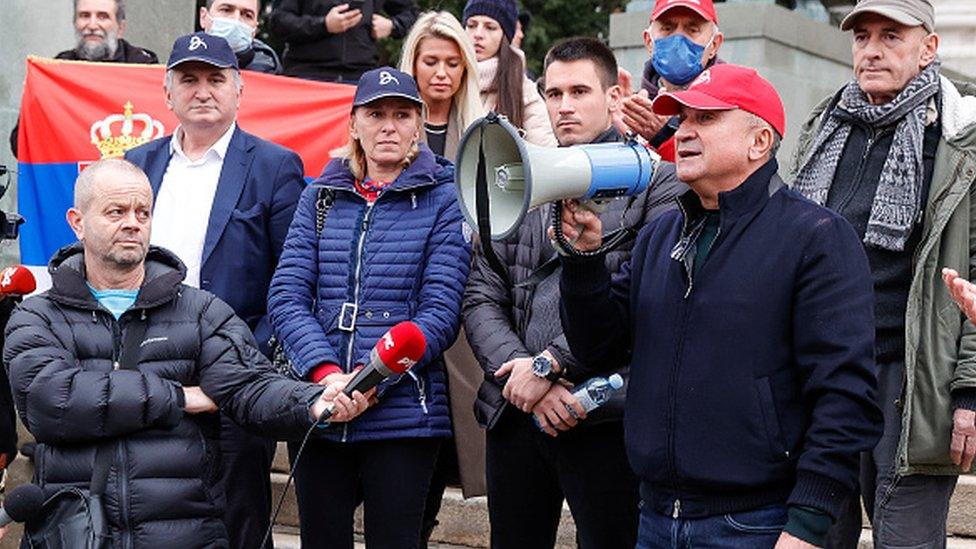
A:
<point x="496" y="317"/>
<point x="59" y="351"/>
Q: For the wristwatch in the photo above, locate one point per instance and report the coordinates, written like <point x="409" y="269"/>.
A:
<point x="542" y="367"/>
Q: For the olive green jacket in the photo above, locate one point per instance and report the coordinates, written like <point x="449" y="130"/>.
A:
<point x="940" y="345"/>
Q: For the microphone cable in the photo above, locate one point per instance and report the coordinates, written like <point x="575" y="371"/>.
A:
<point x="291" y="474"/>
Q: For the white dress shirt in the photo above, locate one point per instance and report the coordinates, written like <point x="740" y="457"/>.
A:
<point x="182" y="211"/>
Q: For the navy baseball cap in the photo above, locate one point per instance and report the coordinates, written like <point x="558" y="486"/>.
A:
<point x="205" y="48"/>
<point x="386" y="82"/>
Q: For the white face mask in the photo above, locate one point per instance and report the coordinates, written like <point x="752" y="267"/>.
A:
<point x="237" y="34"/>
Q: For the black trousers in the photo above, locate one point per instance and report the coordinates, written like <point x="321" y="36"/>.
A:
<point x="391" y="476"/>
<point x="246" y="479"/>
<point x="529" y="474"/>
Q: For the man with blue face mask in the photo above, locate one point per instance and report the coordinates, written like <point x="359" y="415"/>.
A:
<point x="237" y="22"/>
<point x="683" y="39"/>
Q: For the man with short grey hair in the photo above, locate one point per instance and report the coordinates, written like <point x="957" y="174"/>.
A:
<point x="224" y="200"/>
<point x="892" y="152"/>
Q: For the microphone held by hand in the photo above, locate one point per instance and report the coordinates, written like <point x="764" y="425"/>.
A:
<point x="396" y="352"/>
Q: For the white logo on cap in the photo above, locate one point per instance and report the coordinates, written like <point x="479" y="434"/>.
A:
<point x="704" y="78"/>
<point x="386" y="78"/>
<point x="686" y="1"/>
<point x="196" y="42"/>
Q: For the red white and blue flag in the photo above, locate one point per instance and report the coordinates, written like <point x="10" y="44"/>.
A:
<point x="74" y="113"/>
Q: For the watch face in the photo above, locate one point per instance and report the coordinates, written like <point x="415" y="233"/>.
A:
<point x="541" y="366"/>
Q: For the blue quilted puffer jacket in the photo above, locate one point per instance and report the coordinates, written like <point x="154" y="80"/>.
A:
<point x="405" y="257"/>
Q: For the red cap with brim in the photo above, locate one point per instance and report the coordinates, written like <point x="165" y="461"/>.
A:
<point x="705" y="8"/>
<point x="669" y="104"/>
<point x="724" y="88"/>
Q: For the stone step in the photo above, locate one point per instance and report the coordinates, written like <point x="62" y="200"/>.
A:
<point x="951" y="543"/>
<point x="465" y="522"/>
<point x="287" y="538"/>
<point x="962" y="508"/>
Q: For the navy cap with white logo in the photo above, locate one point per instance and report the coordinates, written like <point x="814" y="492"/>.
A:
<point x="205" y="48"/>
<point x="385" y="82"/>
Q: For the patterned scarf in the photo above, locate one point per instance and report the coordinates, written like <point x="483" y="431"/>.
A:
<point x="896" y="204"/>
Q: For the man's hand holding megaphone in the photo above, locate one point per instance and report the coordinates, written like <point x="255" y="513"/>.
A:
<point x="581" y="226"/>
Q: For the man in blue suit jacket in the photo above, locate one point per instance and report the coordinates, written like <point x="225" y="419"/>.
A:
<point x="224" y="200"/>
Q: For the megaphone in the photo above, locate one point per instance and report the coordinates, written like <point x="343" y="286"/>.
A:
<point x="519" y="176"/>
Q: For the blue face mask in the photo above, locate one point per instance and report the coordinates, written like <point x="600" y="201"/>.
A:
<point x="677" y="59"/>
<point x="237" y="34"/>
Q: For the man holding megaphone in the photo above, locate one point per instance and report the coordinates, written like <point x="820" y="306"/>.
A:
<point x="747" y="320"/>
<point x="512" y="323"/>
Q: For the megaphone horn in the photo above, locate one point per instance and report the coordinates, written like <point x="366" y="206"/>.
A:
<point x="518" y="176"/>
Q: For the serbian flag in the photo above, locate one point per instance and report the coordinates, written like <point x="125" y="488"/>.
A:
<point x="74" y="113"/>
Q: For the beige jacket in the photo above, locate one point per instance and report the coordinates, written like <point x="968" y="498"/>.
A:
<point x="537" y="128"/>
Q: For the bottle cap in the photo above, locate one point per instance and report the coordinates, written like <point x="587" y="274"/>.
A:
<point x="616" y="381"/>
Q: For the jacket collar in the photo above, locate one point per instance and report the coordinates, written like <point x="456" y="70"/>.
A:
<point x="611" y="135"/>
<point x="751" y="195"/>
<point x="427" y="169"/>
<point x="164" y="275"/>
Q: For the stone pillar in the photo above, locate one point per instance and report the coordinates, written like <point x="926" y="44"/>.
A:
<point x="955" y="21"/>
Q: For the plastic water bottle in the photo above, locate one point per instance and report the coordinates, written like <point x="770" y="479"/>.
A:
<point x="592" y="394"/>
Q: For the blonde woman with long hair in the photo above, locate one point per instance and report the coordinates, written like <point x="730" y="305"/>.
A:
<point x="438" y="54"/>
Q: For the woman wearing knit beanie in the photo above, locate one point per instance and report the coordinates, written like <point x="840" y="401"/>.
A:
<point x="501" y="69"/>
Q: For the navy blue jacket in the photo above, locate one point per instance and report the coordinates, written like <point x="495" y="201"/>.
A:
<point x="405" y="257"/>
<point x="754" y="382"/>
<point x="257" y="193"/>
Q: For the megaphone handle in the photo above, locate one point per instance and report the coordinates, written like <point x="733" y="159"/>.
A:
<point x="567" y="247"/>
<point x="595" y="206"/>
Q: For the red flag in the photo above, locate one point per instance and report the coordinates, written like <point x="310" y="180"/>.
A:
<point x="67" y="105"/>
<point x="74" y="113"/>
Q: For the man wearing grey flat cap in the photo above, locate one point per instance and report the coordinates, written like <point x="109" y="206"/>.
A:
<point x="894" y="152"/>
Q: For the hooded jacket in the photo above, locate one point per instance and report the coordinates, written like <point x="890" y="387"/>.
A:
<point x="60" y="350"/>
<point x="403" y="257"/>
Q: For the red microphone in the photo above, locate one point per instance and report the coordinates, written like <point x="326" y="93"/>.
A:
<point x="17" y="281"/>
<point x="396" y="352"/>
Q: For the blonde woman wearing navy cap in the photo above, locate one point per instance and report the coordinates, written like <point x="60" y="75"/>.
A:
<point x="391" y="249"/>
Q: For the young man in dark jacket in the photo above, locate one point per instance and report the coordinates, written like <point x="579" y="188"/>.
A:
<point x="335" y="40"/>
<point x="237" y="22"/>
<point x="63" y="347"/>
<point x="747" y="321"/>
<point x="514" y="329"/>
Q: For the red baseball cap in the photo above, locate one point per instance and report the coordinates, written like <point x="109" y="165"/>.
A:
<point x="705" y="8"/>
<point x="726" y="87"/>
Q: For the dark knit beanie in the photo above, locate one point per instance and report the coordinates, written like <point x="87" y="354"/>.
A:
<point x="503" y="11"/>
